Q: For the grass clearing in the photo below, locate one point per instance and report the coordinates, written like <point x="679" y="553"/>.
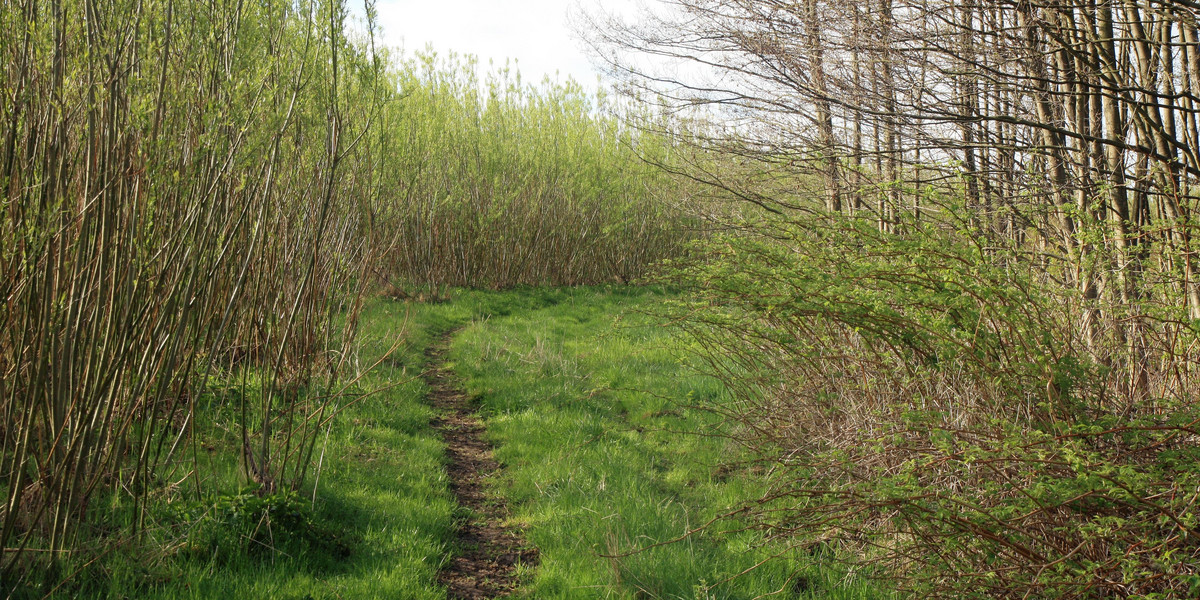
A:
<point x="584" y="400"/>
<point x="581" y="395"/>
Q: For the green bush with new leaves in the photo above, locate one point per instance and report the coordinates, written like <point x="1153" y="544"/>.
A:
<point x="498" y="183"/>
<point x="926" y="405"/>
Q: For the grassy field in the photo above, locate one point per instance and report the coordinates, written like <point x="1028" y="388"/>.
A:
<point x="583" y="400"/>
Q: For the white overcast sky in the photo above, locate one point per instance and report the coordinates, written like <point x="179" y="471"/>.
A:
<point x="535" y="33"/>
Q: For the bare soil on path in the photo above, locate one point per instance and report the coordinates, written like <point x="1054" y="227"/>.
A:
<point x="489" y="550"/>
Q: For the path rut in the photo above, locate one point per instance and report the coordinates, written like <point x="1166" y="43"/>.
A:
<point x="488" y="549"/>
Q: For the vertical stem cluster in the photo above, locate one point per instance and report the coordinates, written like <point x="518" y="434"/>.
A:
<point x="168" y="212"/>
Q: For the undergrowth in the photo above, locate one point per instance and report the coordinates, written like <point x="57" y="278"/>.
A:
<point x="932" y="410"/>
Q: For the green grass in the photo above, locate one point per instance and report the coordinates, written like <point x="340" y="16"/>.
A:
<point x="582" y="398"/>
<point x="382" y="490"/>
<point x="382" y="493"/>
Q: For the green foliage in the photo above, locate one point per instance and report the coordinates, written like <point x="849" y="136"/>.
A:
<point x="180" y="200"/>
<point x="497" y="183"/>
<point x="195" y="196"/>
<point x="589" y="410"/>
<point x="233" y="527"/>
<point x="930" y="407"/>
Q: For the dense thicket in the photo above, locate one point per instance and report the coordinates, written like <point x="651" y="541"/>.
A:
<point x="505" y="184"/>
<point x="960" y="316"/>
<point x="195" y="197"/>
<point x="180" y="183"/>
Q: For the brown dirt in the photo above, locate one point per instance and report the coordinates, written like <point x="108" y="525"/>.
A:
<point x="488" y="549"/>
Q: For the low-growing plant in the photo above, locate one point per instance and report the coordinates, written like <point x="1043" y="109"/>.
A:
<point x="230" y="528"/>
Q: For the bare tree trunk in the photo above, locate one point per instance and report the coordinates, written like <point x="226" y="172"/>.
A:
<point x="968" y="108"/>
<point x="824" y="116"/>
<point x="857" y="151"/>
<point x="891" y="204"/>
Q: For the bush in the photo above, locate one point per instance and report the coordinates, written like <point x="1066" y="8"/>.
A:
<point x="930" y="407"/>
<point x="232" y="528"/>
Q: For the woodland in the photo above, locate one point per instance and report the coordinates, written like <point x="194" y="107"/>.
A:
<point x="823" y="299"/>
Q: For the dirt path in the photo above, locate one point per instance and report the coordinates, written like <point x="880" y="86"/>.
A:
<point x="488" y="551"/>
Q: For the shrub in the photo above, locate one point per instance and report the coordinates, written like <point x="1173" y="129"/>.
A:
<point x="930" y="407"/>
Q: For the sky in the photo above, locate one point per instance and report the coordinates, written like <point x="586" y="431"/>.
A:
<point x="535" y="33"/>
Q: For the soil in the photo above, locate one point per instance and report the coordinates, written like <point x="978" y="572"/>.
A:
<point x="489" y="549"/>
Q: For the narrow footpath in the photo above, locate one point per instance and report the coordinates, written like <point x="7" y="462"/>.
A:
<point x="488" y="551"/>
